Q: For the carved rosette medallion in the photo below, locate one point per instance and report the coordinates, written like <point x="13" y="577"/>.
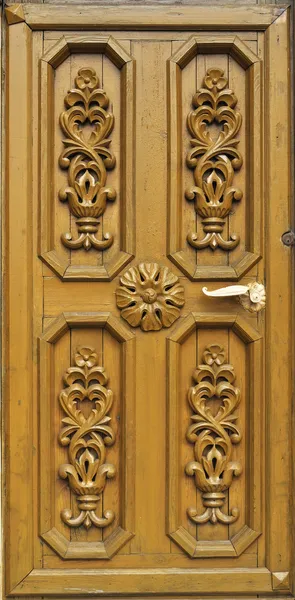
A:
<point x="214" y="160"/>
<point x="150" y="296"/>
<point x="87" y="438"/>
<point x="87" y="159"/>
<point x="213" y="434"/>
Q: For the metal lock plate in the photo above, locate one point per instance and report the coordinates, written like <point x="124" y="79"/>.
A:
<point x="288" y="238"/>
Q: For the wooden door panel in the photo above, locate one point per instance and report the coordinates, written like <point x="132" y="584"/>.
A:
<point x="63" y="240"/>
<point x="239" y="523"/>
<point x="148" y="324"/>
<point x="236" y="227"/>
<point x="77" y="352"/>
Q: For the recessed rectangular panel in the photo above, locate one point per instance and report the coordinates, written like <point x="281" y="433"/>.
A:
<point x="83" y="432"/>
<point x="215" y="187"/>
<point x="87" y="95"/>
<point x="213" y="508"/>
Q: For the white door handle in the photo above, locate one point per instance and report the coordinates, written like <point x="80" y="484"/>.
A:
<point x="251" y="296"/>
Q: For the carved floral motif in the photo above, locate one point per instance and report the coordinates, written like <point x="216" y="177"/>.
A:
<point x="150" y="296"/>
<point x="213" y="435"/>
<point x="86" y="438"/>
<point x="214" y="160"/>
<point x="87" y="159"/>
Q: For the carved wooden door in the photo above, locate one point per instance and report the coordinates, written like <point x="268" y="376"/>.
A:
<point x="147" y="421"/>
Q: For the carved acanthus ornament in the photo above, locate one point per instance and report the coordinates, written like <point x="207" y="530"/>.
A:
<point x="150" y="296"/>
<point x="214" y="160"/>
<point x="86" y="438"/>
<point x="213" y="433"/>
<point x="87" y="159"/>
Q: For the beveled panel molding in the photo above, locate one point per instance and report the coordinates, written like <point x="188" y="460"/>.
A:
<point x="84" y="16"/>
<point x="224" y="378"/>
<point x="87" y="439"/>
<point x="83" y="182"/>
<point x="239" y="51"/>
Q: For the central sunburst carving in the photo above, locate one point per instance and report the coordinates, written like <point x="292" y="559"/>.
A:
<point x="150" y="296"/>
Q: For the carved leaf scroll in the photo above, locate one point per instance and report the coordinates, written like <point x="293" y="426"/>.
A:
<point x="86" y="438"/>
<point x="214" y="161"/>
<point x="87" y="159"/>
<point x="213" y="435"/>
<point x="150" y="296"/>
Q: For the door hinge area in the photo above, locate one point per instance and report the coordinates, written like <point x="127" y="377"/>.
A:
<point x="288" y="238"/>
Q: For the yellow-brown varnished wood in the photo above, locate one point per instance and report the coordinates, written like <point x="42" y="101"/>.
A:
<point x="147" y="425"/>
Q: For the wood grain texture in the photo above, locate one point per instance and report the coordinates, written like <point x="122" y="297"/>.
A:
<point x="142" y="17"/>
<point x="278" y="267"/>
<point x="152" y="547"/>
<point x="18" y="298"/>
<point x="126" y="581"/>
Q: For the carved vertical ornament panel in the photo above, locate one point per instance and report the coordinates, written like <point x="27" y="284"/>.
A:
<point x="86" y="193"/>
<point x="87" y="159"/>
<point x="214" y="161"/>
<point x="92" y="492"/>
<point x="213" y="507"/>
<point x="214" y="182"/>
<point x="213" y="435"/>
<point x="87" y="438"/>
